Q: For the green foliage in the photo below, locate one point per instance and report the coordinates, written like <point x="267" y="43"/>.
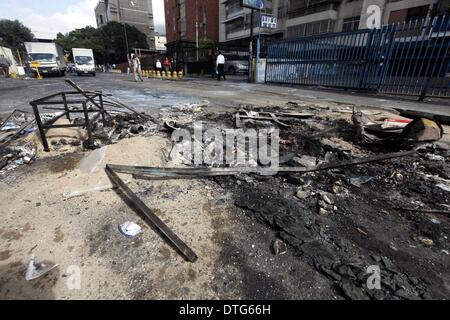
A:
<point x="13" y="34"/>
<point x="108" y="42"/>
<point x="115" y="44"/>
<point x="87" y="37"/>
<point x="206" y="43"/>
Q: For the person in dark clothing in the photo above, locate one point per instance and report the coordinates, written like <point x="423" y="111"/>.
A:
<point x="220" y="63"/>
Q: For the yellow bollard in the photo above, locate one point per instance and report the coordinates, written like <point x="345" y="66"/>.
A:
<point x="180" y="75"/>
<point x="152" y="73"/>
<point x="36" y="65"/>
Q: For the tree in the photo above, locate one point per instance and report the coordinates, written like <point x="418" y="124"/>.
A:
<point x="87" y="37"/>
<point x="115" y="43"/>
<point x="108" y="42"/>
<point x="13" y="34"/>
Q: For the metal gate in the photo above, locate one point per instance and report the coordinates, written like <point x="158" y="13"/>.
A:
<point x="411" y="58"/>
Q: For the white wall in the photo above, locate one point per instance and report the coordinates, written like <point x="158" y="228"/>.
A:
<point x="12" y="59"/>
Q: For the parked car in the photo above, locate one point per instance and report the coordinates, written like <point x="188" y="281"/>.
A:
<point x="236" y="64"/>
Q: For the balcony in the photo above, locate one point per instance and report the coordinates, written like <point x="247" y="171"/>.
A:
<point x="304" y="8"/>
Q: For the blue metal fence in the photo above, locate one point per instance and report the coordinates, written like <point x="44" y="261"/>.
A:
<point x="411" y="58"/>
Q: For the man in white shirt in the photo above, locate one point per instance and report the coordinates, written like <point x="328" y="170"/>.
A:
<point x="220" y="63"/>
<point x="136" y="62"/>
<point x="158" y="66"/>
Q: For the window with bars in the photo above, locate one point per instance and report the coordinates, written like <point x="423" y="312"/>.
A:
<point x="351" y="24"/>
<point x="312" y="28"/>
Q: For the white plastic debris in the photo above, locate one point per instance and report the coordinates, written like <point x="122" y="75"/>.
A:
<point x="9" y="126"/>
<point x="443" y="187"/>
<point x="435" y="157"/>
<point x="37" y="270"/>
<point x="130" y="229"/>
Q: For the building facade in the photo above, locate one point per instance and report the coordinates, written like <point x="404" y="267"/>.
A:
<point x="298" y="18"/>
<point x="137" y="13"/>
<point x="187" y="18"/>
<point x="192" y="27"/>
<point x="160" y="42"/>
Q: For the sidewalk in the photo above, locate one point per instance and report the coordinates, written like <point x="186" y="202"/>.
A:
<point x="434" y="106"/>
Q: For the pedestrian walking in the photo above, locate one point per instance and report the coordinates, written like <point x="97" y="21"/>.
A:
<point x="158" y="66"/>
<point x="172" y="65"/>
<point x="220" y="64"/>
<point x="136" y="62"/>
<point x="4" y="65"/>
<point x="166" y="65"/>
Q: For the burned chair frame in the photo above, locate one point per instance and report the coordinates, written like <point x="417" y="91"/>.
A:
<point x="90" y="101"/>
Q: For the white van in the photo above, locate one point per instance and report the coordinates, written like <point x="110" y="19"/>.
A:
<point x="84" y="61"/>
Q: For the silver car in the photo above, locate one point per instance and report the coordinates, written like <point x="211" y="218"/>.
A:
<point x="236" y="64"/>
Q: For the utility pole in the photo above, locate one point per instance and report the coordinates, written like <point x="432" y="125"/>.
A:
<point x="250" y="65"/>
<point x="258" y="47"/>
<point x="124" y="28"/>
<point x="196" y="27"/>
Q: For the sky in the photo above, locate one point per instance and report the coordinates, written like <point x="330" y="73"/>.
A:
<point x="46" y="18"/>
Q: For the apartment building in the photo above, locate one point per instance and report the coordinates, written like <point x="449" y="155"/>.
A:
<point x="297" y="18"/>
<point x="235" y="20"/>
<point x="191" y="26"/>
<point x="138" y="13"/>
<point x="160" y="42"/>
<point x="187" y="20"/>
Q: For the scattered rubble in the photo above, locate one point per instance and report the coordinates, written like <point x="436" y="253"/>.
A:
<point x="355" y="189"/>
<point x="279" y="247"/>
<point x="37" y="270"/>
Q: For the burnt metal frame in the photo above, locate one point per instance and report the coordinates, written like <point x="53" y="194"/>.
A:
<point x="87" y="96"/>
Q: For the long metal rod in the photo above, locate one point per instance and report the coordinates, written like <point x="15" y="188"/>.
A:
<point x="83" y="93"/>
<point x="152" y="218"/>
<point x="7" y="140"/>
<point x="435" y="211"/>
<point x="210" y="172"/>
<point x="10" y="116"/>
<point x="130" y="108"/>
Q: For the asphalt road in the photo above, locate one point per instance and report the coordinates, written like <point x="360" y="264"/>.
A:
<point x="153" y="94"/>
<point x="16" y="94"/>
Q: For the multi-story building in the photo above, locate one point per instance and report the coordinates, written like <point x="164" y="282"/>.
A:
<point x="297" y="18"/>
<point x="189" y="20"/>
<point x="191" y="26"/>
<point x="138" y="13"/>
<point x="160" y="42"/>
<point x="235" y="20"/>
